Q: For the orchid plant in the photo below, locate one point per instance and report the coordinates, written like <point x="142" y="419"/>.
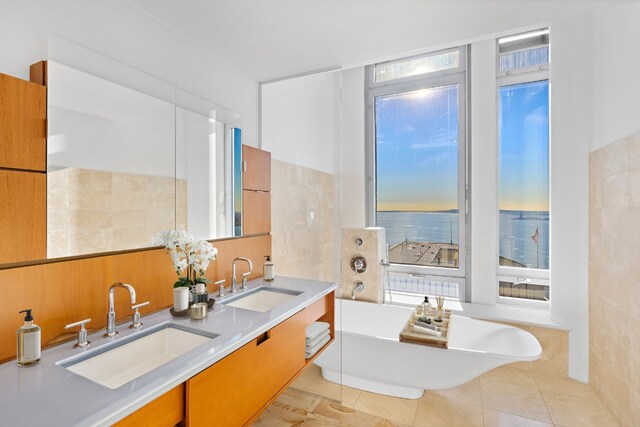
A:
<point x="190" y="257"/>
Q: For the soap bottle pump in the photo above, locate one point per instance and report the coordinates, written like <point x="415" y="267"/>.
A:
<point x="28" y="337"/>
<point x="426" y="306"/>
<point x="268" y="270"/>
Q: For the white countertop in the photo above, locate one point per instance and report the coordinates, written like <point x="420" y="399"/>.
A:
<point x="48" y="394"/>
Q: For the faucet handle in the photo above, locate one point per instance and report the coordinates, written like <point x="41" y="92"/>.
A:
<point x="244" y="279"/>
<point x="82" y="333"/>
<point x="220" y="288"/>
<point x="135" y="319"/>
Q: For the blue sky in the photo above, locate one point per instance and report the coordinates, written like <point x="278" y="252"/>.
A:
<point x="524" y="146"/>
<point x="417" y="148"/>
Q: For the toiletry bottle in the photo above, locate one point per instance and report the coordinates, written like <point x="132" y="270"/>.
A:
<point x="268" y="270"/>
<point x="426" y="306"/>
<point x="28" y="341"/>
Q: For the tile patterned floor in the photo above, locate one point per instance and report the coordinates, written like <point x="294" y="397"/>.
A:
<point x="506" y="396"/>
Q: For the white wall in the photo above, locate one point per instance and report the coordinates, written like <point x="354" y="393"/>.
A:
<point x="616" y="70"/>
<point x="570" y="132"/>
<point x="484" y="166"/>
<point x="352" y="134"/>
<point x="299" y="120"/>
<point x="31" y="30"/>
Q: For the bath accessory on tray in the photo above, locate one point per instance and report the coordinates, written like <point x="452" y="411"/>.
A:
<point x="420" y="332"/>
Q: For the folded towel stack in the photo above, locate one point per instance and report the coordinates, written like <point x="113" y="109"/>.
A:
<point x="315" y="337"/>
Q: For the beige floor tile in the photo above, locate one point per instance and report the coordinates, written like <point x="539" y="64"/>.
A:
<point x="562" y="384"/>
<point x="297" y="399"/>
<point x="509" y="375"/>
<point x="393" y="408"/>
<point x="283" y="416"/>
<point x="549" y="366"/>
<point x="570" y="411"/>
<point x="435" y="410"/>
<point x="502" y="419"/>
<point x="469" y="392"/>
<point x="311" y="381"/>
<point x="514" y="399"/>
<point x="351" y="417"/>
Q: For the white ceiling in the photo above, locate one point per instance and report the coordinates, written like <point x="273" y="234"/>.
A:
<point x="269" y="39"/>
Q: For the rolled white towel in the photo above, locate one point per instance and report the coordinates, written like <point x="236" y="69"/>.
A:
<point x="420" y="330"/>
<point x="314" y="330"/>
<point x="311" y="344"/>
<point x="310" y="352"/>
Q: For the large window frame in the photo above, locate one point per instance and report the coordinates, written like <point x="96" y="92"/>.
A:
<point x="457" y="76"/>
<point x="518" y="274"/>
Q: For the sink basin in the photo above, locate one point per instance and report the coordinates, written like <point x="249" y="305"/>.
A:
<point x="261" y="299"/>
<point x="135" y="355"/>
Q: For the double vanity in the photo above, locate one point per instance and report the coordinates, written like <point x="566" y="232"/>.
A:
<point x="222" y="370"/>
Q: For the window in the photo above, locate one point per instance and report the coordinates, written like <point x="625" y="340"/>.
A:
<point x="523" y="128"/>
<point x="416" y="163"/>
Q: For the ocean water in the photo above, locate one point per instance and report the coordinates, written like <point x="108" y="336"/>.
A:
<point x="515" y="229"/>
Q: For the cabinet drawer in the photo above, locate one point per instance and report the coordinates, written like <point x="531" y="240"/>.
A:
<point x="237" y="387"/>
<point x="166" y="410"/>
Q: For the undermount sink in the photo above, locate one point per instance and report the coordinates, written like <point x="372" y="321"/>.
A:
<point x="135" y="355"/>
<point x="261" y="299"/>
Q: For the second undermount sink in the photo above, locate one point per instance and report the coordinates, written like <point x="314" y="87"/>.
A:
<point x="261" y="299"/>
<point x="135" y="355"/>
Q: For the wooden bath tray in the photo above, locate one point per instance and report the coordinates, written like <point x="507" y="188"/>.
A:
<point x="407" y="334"/>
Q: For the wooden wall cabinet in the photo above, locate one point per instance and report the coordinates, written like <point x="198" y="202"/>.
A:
<point x="256" y="194"/>
<point x="23" y="216"/>
<point x="23" y="113"/>
<point x="256" y="212"/>
<point x="257" y="169"/>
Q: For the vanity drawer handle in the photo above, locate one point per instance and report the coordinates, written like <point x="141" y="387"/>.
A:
<point x="262" y="338"/>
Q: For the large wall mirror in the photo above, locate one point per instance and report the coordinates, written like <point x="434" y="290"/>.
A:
<point x="125" y="163"/>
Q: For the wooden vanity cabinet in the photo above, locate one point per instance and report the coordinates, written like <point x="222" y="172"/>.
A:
<point x="166" y="410"/>
<point x="236" y="388"/>
<point x="23" y="113"/>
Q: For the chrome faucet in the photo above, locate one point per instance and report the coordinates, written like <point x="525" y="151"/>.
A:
<point x="357" y="287"/>
<point x="233" y="273"/>
<point x="111" y="315"/>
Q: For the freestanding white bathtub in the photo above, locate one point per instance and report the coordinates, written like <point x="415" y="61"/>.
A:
<point x="368" y="355"/>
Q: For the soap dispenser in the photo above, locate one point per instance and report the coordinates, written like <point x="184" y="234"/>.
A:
<point x="28" y="341"/>
<point x="268" y="270"/>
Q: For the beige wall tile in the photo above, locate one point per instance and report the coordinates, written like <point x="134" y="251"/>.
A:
<point x="616" y="191"/>
<point x="304" y="223"/>
<point x="87" y="179"/>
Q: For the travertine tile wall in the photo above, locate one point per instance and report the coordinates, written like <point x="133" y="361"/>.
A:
<point x="614" y="277"/>
<point x="372" y="249"/>
<point x="303" y="221"/>
<point x="91" y="211"/>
